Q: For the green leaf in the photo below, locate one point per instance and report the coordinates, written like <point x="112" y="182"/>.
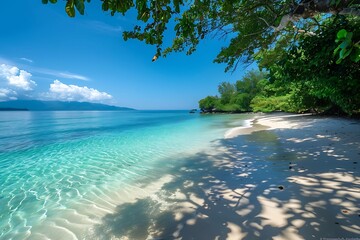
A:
<point x="105" y="6"/>
<point x="177" y="5"/>
<point x="145" y="16"/>
<point x="347" y="53"/>
<point x="342" y="33"/>
<point x="344" y="44"/>
<point x="336" y="50"/>
<point x="342" y="53"/>
<point x="53" y="1"/>
<point x="80" y="6"/>
<point x="355" y="56"/>
<point x="69" y="8"/>
<point x="349" y="36"/>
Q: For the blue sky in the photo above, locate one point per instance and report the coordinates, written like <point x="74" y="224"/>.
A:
<point x="46" y="55"/>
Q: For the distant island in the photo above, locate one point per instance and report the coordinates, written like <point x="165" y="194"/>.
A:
<point x="14" y="109"/>
<point x="37" y="105"/>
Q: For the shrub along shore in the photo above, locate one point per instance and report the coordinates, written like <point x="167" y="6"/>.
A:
<point x="305" y="75"/>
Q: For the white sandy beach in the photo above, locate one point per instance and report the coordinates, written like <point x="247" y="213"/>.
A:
<point x="316" y="160"/>
<point x="286" y="177"/>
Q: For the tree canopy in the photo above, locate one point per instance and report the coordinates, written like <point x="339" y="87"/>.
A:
<point x="310" y="49"/>
<point x="250" y="25"/>
<point x="235" y="97"/>
<point x="306" y="76"/>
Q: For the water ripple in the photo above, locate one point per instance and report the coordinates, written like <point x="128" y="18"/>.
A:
<point x="61" y="172"/>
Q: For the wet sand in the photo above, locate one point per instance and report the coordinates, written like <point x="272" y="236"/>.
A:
<point x="285" y="177"/>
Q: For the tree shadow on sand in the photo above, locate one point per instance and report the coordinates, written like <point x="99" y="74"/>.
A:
<point x="261" y="185"/>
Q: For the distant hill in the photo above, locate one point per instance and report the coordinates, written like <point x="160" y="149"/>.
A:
<point x="37" y="105"/>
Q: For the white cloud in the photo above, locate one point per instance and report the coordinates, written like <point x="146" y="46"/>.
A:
<point x="105" y="27"/>
<point x="64" y="92"/>
<point x="17" y="78"/>
<point x="72" y="76"/>
<point x="101" y="26"/>
<point x="59" y="74"/>
<point x="27" y="60"/>
<point x="7" y="94"/>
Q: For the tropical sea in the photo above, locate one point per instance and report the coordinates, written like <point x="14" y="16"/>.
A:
<point x="61" y="172"/>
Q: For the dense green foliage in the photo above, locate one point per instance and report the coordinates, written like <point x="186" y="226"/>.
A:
<point x="314" y="73"/>
<point x="250" y="25"/>
<point x="235" y="97"/>
<point x="347" y="47"/>
<point x="308" y="74"/>
<point x="208" y="104"/>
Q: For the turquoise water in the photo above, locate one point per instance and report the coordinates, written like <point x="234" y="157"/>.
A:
<point x="60" y="172"/>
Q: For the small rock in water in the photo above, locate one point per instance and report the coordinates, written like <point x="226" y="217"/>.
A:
<point x="281" y="187"/>
<point x="290" y="167"/>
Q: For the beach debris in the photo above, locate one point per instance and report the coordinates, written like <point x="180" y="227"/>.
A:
<point x="345" y="211"/>
<point x="281" y="187"/>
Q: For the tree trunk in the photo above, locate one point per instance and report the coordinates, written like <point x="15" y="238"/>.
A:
<point x="309" y="8"/>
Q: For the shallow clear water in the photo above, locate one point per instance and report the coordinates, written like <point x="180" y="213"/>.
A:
<point x="61" y="171"/>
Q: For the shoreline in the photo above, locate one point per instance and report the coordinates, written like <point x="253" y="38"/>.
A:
<point x="321" y="170"/>
<point x="321" y="155"/>
<point x="281" y="176"/>
<point x="277" y="176"/>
